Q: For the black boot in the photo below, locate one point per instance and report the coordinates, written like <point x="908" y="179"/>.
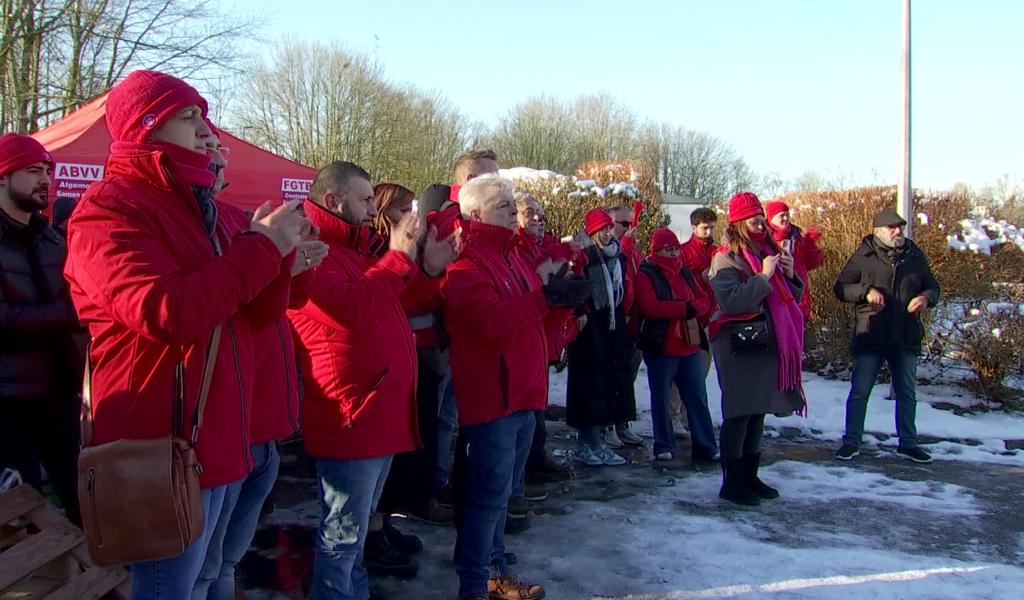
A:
<point x="406" y="543"/>
<point x="733" y="487"/>
<point x="381" y="560"/>
<point x="761" y="489"/>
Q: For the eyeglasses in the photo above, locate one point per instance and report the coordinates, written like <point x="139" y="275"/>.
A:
<point x="626" y="224"/>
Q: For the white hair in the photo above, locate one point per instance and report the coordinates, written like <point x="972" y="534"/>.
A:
<point x="479" y="191"/>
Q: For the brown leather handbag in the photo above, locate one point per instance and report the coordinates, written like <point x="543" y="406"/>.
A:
<point x="140" y="499"/>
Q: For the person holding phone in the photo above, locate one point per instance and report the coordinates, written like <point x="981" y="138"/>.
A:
<point x="757" y="341"/>
<point x="801" y="244"/>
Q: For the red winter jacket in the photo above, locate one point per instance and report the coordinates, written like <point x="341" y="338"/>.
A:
<point x="650" y="307"/>
<point x="494" y="308"/>
<point x="145" y="280"/>
<point x="561" y="326"/>
<point x="275" y="388"/>
<point x="357" y="351"/>
<point x="806" y="258"/>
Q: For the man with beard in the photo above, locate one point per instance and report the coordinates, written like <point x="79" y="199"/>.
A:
<point x="890" y="284"/>
<point x="40" y="362"/>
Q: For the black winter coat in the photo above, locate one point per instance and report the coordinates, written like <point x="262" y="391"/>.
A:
<point x="599" y="387"/>
<point x="899" y="275"/>
<point x="40" y="356"/>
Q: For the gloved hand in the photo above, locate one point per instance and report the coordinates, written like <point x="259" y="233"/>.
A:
<point x="568" y="293"/>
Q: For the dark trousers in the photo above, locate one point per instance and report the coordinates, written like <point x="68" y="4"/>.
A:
<point x="741" y="436"/>
<point x="903" y="367"/>
<point x="43" y="431"/>
<point x="410" y="483"/>
<point x="540" y="438"/>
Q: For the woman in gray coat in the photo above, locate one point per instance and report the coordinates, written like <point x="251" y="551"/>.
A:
<point x="757" y="342"/>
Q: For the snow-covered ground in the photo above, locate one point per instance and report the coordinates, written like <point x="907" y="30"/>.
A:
<point x="972" y="437"/>
<point x="866" y="530"/>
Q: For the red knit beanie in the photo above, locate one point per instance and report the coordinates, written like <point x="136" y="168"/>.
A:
<point x="773" y="208"/>
<point x="744" y="205"/>
<point x="596" y="220"/>
<point x="19" y="151"/>
<point x="663" y="237"/>
<point x="144" y="101"/>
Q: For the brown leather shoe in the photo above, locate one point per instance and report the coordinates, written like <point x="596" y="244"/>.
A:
<point x="435" y="513"/>
<point x="510" y="587"/>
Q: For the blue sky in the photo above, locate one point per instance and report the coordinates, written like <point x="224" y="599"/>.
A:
<point x="792" y="85"/>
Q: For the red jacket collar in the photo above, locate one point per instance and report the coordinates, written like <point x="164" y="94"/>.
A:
<point x="337" y="232"/>
<point x="492" y="236"/>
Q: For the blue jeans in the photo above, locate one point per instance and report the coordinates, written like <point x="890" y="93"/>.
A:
<point x="903" y="366"/>
<point x="173" y="578"/>
<point x="494" y="450"/>
<point x="236" y="526"/>
<point x="687" y="373"/>
<point x="349" y="492"/>
<point x="447" y="418"/>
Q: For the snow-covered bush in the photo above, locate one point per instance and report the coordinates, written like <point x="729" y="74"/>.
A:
<point x="988" y="338"/>
<point x="987" y="252"/>
<point x="566" y="199"/>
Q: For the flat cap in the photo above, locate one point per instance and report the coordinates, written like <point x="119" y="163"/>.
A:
<point x="888" y="218"/>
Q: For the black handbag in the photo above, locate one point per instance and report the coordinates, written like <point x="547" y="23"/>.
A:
<point x="752" y="335"/>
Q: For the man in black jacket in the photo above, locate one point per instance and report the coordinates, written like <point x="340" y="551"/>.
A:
<point x="40" y="361"/>
<point x="890" y="284"/>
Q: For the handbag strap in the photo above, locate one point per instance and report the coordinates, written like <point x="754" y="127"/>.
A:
<point x="204" y="391"/>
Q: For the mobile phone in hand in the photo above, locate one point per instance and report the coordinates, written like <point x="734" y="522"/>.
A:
<point x="787" y="246"/>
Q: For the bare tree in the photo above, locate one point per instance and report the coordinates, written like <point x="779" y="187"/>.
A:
<point x="57" y="55"/>
<point x="315" y="103"/>
<point x="698" y="165"/>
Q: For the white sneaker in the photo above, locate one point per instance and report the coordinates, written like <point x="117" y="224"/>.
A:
<point x="609" y="458"/>
<point x="586" y="455"/>
<point x="663" y="456"/>
<point x="611" y="439"/>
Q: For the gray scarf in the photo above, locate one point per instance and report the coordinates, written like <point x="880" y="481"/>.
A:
<point x="604" y="269"/>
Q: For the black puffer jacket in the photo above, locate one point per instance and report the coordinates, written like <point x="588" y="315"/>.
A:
<point x="40" y="337"/>
<point x="900" y="275"/>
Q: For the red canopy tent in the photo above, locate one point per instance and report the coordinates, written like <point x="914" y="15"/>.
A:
<point x="79" y="144"/>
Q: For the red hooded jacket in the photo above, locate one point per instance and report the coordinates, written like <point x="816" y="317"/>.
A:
<point x="275" y="390"/>
<point x="560" y="325"/>
<point x="356" y="348"/>
<point x="494" y="308"/>
<point x="807" y="256"/>
<point x="145" y="280"/>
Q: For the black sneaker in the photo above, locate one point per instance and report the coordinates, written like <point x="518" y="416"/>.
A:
<point x="847" y="452"/>
<point x="514" y="526"/>
<point x="914" y="453"/>
<point x="517" y="508"/>
<point x="406" y="543"/>
<point x="535" y="493"/>
<point x="381" y="560"/>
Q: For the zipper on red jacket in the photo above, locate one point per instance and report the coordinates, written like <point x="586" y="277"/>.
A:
<point x="290" y="375"/>
<point x="246" y="452"/>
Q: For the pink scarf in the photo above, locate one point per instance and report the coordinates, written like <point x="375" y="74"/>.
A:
<point x="788" y="324"/>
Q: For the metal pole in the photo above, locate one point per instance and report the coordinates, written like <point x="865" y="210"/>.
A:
<point x="904" y="196"/>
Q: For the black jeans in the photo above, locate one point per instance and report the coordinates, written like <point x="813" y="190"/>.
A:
<point x="741" y="436"/>
<point x="43" y="431"/>
<point x="410" y="483"/>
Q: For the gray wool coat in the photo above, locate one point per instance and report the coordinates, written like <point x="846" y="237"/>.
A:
<point x="749" y="380"/>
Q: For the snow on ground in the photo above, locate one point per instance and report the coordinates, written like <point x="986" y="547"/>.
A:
<point x="970" y="437"/>
<point x="840" y="532"/>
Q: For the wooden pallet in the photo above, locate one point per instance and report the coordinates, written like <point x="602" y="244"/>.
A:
<point x="42" y="555"/>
